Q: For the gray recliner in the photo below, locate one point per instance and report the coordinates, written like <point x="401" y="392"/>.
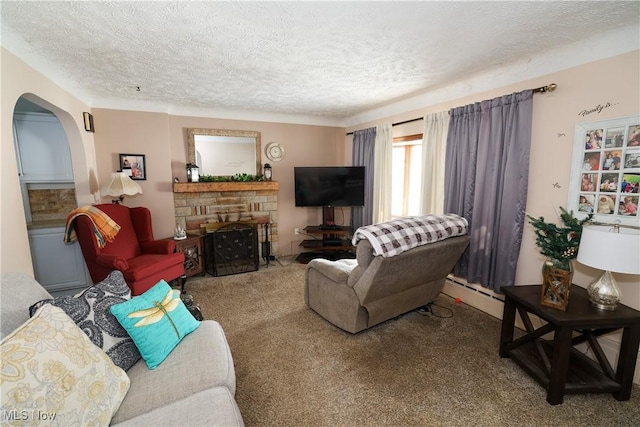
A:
<point x="357" y="294"/>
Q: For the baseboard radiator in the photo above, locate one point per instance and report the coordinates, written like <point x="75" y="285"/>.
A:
<point x="475" y="295"/>
<point x="492" y="303"/>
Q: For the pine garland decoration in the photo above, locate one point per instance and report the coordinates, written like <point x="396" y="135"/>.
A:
<point x="559" y="242"/>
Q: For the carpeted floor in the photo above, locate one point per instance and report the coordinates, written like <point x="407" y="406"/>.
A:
<point x="295" y="369"/>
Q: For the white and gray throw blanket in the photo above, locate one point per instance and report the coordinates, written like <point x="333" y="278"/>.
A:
<point x="401" y="234"/>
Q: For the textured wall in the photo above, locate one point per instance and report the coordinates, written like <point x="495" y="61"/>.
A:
<point x="18" y="79"/>
<point x="612" y="82"/>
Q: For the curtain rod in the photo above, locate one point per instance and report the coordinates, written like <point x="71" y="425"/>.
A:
<point x="547" y="88"/>
<point x="399" y="123"/>
<point x="542" y="89"/>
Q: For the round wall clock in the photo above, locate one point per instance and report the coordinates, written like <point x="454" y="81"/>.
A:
<point x="274" y="152"/>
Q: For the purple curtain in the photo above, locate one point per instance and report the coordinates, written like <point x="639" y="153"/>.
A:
<point x="486" y="181"/>
<point x="363" y="155"/>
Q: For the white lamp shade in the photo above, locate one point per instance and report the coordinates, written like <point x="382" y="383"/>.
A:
<point x="120" y="184"/>
<point x="609" y="248"/>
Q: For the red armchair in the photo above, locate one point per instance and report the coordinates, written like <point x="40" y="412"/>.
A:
<point x="142" y="260"/>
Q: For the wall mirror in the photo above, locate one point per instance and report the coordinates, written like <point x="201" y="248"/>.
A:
<point x="224" y="152"/>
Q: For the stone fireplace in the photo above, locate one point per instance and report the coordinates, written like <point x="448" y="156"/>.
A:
<point x="199" y="203"/>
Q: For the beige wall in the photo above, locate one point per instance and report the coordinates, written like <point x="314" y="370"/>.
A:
<point x="555" y="115"/>
<point x="304" y="145"/>
<point x="162" y="138"/>
<point x="18" y="79"/>
<point x="133" y="132"/>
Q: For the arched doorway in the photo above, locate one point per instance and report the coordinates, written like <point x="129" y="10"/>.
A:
<point x="48" y="188"/>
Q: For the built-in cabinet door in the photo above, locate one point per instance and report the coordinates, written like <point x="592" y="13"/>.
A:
<point x="42" y="148"/>
<point x="58" y="267"/>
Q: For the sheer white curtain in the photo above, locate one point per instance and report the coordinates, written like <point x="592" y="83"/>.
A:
<point x="382" y="175"/>
<point x="434" y="150"/>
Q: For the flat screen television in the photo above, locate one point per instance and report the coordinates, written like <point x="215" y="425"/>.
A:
<point x="329" y="186"/>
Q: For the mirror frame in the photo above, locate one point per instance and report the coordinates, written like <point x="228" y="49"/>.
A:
<point x="191" y="149"/>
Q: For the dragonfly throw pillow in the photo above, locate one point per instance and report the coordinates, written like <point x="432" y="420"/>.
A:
<point x="157" y="321"/>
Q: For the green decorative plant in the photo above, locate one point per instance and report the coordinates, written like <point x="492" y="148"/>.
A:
<point x="239" y="177"/>
<point x="245" y="177"/>
<point x="559" y="242"/>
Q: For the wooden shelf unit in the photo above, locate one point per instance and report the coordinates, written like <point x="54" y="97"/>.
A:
<point x="332" y="243"/>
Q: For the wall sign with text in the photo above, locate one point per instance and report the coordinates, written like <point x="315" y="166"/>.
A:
<point x="605" y="172"/>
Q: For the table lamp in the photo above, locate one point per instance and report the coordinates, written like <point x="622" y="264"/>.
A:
<point x="120" y="185"/>
<point x="612" y="248"/>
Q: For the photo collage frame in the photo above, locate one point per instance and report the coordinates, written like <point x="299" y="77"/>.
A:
<point x="605" y="178"/>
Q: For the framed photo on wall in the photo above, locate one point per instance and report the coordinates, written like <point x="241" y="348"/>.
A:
<point x="88" y="122"/>
<point x="134" y="165"/>
<point x="605" y="171"/>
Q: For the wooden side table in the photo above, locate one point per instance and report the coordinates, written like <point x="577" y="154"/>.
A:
<point x="556" y="364"/>
<point x="191" y="247"/>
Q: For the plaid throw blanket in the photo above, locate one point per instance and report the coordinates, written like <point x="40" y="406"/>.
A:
<point x="398" y="235"/>
<point x="104" y="227"/>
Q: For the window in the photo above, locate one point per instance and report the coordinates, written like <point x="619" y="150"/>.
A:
<point x="406" y="175"/>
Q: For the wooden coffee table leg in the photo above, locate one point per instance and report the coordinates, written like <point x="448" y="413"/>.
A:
<point x="559" y="365"/>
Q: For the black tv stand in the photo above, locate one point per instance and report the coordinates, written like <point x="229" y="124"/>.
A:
<point x="328" y="227"/>
<point x="328" y="219"/>
<point x="333" y="243"/>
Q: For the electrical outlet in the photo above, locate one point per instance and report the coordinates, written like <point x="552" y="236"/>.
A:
<point x="296" y="230"/>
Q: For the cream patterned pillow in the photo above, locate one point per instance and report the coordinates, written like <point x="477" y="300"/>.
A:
<point x="52" y="372"/>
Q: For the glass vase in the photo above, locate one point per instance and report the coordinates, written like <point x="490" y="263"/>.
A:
<point x="557" y="275"/>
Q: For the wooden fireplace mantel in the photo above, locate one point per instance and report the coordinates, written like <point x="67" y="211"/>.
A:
<point x="202" y="187"/>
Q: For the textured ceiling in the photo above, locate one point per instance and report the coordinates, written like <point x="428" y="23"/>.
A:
<point x="330" y="59"/>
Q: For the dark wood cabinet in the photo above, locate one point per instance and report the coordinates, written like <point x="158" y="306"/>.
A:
<point x="192" y="249"/>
